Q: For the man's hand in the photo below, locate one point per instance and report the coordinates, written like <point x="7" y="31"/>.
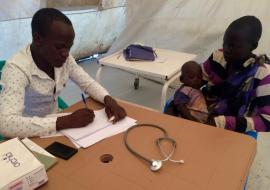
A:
<point x="113" y="109"/>
<point x="77" y="119"/>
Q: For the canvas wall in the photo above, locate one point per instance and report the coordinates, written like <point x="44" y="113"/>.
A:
<point x="195" y="26"/>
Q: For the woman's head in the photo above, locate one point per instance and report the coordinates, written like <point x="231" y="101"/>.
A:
<point x="191" y="74"/>
<point x="241" y="38"/>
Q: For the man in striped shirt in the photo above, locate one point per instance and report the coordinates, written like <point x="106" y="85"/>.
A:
<point x="238" y="82"/>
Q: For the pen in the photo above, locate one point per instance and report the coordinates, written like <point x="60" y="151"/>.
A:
<point x="83" y="98"/>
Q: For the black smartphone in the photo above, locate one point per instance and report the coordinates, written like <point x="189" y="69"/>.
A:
<point x="61" y="150"/>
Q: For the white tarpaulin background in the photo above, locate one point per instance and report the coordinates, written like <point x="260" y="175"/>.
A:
<point x="193" y="26"/>
<point x="18" y="9"/>
<point x="96" y="25"/>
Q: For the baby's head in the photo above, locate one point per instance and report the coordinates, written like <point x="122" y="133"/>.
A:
<point x="241" y="38"/>
<point x="191" y="75"/>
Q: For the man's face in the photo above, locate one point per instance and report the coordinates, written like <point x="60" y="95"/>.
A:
<point x="54" y="46"/>
<point x="237" y="46"/>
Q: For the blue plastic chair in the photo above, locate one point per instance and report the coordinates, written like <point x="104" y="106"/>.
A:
<point x="61" y="103"/>
<point x="167" y="104"/>
<point x="2" y="63"/>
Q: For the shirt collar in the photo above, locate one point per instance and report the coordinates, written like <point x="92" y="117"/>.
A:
<point x="35" y="71"/>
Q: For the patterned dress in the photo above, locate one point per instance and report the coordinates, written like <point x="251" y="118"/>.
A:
<point x="193" y="100"/>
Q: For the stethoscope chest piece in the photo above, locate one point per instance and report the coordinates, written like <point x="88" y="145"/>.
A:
<point x="156" y="165"/>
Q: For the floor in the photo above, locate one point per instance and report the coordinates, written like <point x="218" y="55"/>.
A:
<point x="120" y="84"/>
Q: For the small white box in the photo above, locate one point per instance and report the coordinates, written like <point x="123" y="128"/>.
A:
<point x="19" y="168"/>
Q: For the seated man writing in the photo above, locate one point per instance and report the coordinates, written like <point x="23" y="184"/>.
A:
<point x="33" y="78"/>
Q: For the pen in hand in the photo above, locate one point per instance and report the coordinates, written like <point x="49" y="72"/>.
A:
<point x="83" y="98"/>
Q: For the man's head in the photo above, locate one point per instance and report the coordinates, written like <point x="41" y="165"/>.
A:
<point x="241" y="38"/>
<point x="191" y="74"/>
<point x="53" y="36"/>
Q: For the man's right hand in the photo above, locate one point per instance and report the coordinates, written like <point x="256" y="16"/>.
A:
<point x="77" y="119"/>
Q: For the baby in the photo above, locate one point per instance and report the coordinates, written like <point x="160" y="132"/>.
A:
<point x="189" y="102"/>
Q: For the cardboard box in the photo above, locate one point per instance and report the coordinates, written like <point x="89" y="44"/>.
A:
<point x="20" y="169"/>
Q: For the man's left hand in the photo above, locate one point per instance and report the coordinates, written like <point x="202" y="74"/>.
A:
<point x="113" y="109"/>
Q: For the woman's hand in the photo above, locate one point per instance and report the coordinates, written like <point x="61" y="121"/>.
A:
<point x="113" y="109"/>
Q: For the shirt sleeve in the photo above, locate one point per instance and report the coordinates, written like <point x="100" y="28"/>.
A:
<point x="12" y="121"/>
<point x="180" y="98"/>
<point x="85" y="81"/>
<point x="260" y="121"/>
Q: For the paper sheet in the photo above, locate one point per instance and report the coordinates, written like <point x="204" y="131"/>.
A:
<point x="109" y="131"/>
<point x="98" y="130"/>
<point x="100" y="122"/>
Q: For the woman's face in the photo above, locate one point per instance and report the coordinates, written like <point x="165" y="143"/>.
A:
<point x="237" y="46"/>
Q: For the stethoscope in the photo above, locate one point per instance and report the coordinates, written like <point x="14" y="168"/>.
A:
<point x="155" y="165"/>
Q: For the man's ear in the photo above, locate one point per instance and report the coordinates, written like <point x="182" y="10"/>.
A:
<point x="37" y="39"/>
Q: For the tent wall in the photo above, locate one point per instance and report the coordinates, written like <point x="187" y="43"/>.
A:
<point x="70" y="4"/>
<point x="96" y="28"/>
<point x="194" y="26"/>
<point x="17" y="9"/>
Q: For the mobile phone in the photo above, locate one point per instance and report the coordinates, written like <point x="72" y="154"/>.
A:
<point x="61" y="150"/>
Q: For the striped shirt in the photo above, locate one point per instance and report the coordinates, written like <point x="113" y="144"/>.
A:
<point x="240" y="102"/>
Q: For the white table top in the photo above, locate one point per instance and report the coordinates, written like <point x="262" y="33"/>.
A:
<point x="167" y="64"/>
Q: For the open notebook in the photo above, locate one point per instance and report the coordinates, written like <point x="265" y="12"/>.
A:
<point x="46" y="158"/>
<point x="98" y="130"/>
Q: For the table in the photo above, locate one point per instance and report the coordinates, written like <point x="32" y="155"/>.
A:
<point x="166" y="67"/>
<point x="214" y="158"/>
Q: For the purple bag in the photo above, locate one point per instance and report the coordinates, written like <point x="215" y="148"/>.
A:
<point x="135" y="52"/>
